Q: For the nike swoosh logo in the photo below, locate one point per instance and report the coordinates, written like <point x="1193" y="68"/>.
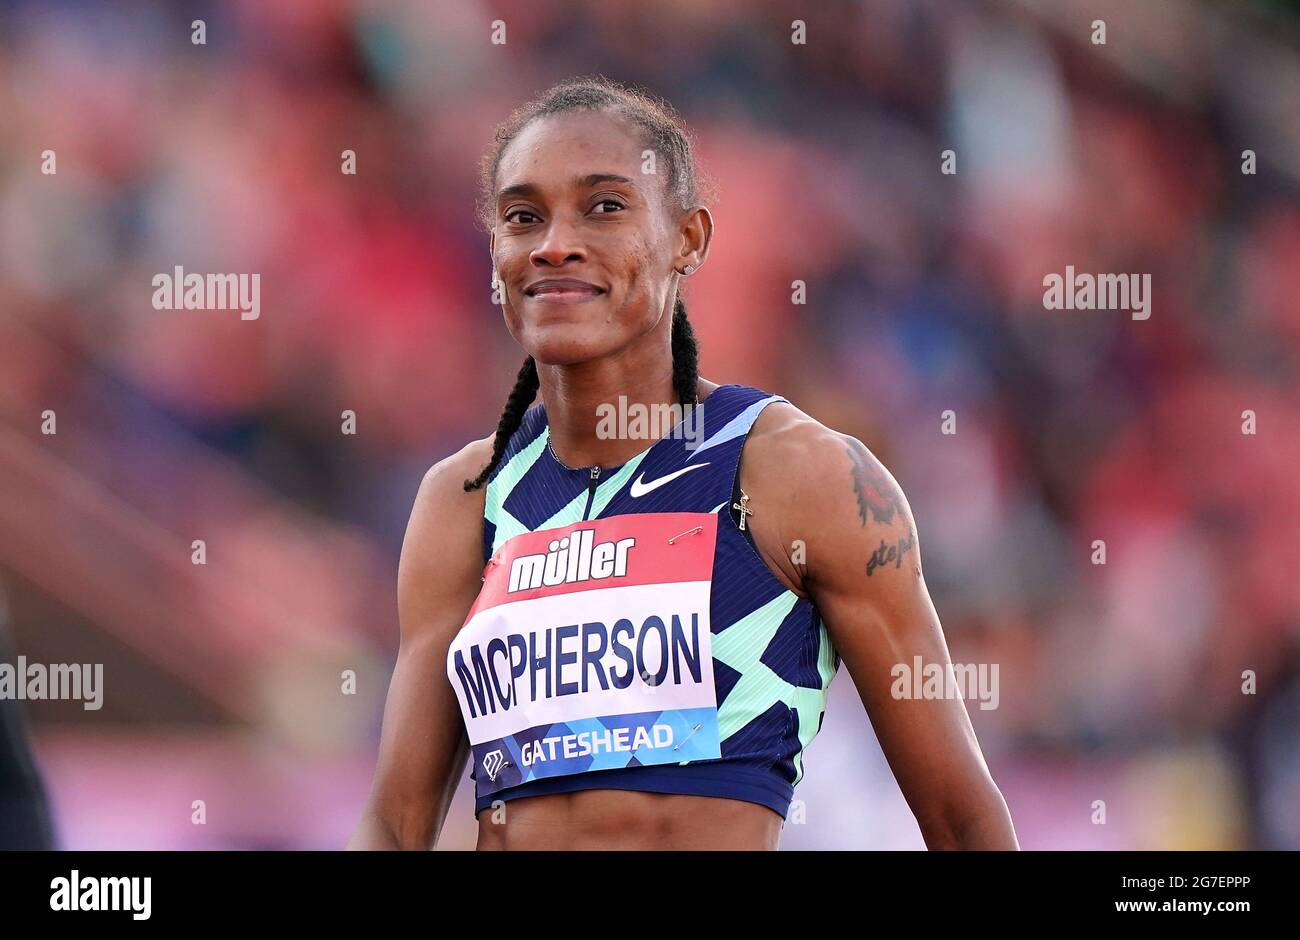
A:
<point x="640" y="487"/>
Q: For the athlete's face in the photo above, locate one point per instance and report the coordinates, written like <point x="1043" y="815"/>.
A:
<point x="575" y="209"/>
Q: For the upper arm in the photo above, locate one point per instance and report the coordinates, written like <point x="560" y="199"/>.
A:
<point x="423" y="746"/>
<point x="862" y="567"/>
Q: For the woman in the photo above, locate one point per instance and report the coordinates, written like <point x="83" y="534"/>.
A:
<point x="653" y="621"/>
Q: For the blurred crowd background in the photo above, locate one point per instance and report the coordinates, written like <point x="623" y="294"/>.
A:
<point x="1120" y="683"/>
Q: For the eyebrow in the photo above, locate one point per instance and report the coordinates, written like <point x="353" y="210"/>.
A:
<point x="581" y="182"/>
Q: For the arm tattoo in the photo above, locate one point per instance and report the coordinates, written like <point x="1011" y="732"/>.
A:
<point x="875" y="490"/>
<point x="888" y="554"/>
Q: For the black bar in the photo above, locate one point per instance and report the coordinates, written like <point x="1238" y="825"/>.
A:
<point x="241" y="890"/>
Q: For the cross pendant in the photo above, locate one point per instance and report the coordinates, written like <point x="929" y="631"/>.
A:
<point x="743" y="506"/>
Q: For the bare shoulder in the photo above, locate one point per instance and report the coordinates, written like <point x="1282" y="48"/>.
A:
<point x="807" y="457"/>
<point x="442" y="553"/>
<point x="783" y="433"/>
<point x="825" y="490"/>
<point x="444" y="482"/>
<point x="442" y="500"/>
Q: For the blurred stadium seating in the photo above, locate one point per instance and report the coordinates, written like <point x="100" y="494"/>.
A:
<point x="1119" y="683"/>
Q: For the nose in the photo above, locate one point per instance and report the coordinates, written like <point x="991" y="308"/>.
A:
<point x="560" y="244"/>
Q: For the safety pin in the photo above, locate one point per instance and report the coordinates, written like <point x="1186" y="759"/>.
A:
<point x="688" y="737"/>
<point x="698" y="528"/>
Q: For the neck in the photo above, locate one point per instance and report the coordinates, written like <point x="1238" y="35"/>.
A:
<point x="582" y="406"/>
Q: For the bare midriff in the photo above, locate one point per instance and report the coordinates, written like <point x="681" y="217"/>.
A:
<point x="603" y="820"/>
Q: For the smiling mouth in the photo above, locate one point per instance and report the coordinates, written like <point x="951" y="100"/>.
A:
<point x="563" y="293"/>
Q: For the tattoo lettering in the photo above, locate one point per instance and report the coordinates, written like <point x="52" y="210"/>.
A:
<point x="877" y="493"/>
<point x="886" y="554"/>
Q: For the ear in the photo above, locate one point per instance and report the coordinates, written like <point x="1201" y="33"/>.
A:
<point x="696" y="235"/>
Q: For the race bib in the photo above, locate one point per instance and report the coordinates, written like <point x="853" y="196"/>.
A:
<point x="589" y="648"/>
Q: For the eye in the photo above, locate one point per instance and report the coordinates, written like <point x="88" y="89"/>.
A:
<point x="512" y="216"/>
<point x="599" y="207"/>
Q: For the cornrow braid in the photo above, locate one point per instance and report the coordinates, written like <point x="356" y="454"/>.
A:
<point x="686" y="356"/>
<point x="521" y="396"/>
<point x="666" y="134"/>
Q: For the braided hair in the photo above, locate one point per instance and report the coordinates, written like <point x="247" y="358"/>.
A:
<point x="665" y="135"/>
